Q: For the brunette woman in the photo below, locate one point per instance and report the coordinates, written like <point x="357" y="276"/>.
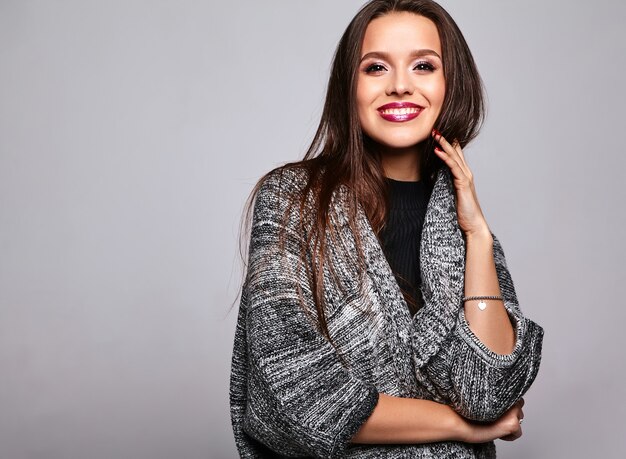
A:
<point x="378" y="317"/>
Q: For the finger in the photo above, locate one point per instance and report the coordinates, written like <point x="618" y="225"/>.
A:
<point x="441" y="139"/>
<point x="454" y="166"/>
<point x="445" y="144"/>
<point x="459" y="151"/>
<point x="451" y="151"/>
<point x="513" y="436"/>
<point x="449" y="155"/>
<point x="516" y="432"/>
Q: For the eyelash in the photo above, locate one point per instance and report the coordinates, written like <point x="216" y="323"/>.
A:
<point x="428" y="65"/>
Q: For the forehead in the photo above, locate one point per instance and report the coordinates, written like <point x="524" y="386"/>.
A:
<point x="400" y="33"/>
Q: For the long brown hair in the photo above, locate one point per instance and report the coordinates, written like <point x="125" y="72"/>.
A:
<point x="341" y="154"/>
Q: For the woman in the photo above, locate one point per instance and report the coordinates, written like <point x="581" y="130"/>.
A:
<point x="359" y="334"/>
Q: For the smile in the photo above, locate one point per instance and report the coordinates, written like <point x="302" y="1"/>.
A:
<point x="399" y="112"/>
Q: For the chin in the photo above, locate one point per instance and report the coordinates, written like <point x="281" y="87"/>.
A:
<point x="399" y="143"/>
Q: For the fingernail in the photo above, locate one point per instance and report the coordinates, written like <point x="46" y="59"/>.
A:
<point x="436" y="132"/>
<point x="438" y="149"/>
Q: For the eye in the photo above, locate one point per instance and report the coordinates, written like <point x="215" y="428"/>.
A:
<point x="374" y="68"/>
<point x="426" y="66"/>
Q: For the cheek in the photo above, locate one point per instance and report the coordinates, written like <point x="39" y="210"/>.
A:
<point x="438" y="91"/>
<point x="363" y="102"/>
<point x="362" y="95"/>
<point x="368" y="90"/>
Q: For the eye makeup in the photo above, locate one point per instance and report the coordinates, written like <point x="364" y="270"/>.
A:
<point x="376" y="67"/>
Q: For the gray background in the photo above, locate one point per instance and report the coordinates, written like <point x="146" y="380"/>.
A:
<point x="131" y="133"/>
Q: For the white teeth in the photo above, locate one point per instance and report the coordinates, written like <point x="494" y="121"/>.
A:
<point x="400" y="111"/>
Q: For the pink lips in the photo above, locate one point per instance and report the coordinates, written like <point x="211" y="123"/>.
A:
<point x="412" y="112"/>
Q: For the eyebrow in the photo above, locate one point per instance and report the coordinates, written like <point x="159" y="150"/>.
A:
<point x="415" y="53"/>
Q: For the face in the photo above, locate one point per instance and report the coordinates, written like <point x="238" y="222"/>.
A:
<point x="400" y="85"/>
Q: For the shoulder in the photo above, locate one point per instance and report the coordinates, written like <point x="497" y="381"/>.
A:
<point x="279" y="193"/>
<point x="284" y="182"/>
<point x="297" y="189"/>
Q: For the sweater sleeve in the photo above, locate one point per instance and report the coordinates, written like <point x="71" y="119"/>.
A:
<point x="478" y="383"/>
<point x="301" y="400"/>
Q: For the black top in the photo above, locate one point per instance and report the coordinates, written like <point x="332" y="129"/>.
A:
<point x="401" y="236"/>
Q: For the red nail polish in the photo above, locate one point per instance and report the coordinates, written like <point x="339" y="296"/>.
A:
<point x="439" y="149"/>
<point x="436" y="132"/>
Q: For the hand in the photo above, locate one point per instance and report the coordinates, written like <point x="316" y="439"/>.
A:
<point x="470" y="216"/>
<point x="507" y="427"/>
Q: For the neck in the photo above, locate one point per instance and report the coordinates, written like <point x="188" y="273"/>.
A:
<point x="401" y="164"/>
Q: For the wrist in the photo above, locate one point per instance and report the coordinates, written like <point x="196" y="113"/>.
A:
<point x="483" y="234"/>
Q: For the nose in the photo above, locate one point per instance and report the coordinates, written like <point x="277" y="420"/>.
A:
<point x="400" y="83"/>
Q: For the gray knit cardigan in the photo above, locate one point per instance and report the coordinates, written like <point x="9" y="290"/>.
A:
<point x="291" y="395"/>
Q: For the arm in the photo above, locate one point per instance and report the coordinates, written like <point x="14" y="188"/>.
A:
<point x="301" y="400"/>
<point x="408" y="420"/>
<point x="479" y="383"/>
<point x="482" y="369"/>
<point x="492" y="325"/>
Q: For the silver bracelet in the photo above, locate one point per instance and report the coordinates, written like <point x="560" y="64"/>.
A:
<point x="482" y="305"/>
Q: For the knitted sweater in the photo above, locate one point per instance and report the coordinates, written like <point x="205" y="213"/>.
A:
<point x="401" y="236"/>
<point x="290" y="393"/>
